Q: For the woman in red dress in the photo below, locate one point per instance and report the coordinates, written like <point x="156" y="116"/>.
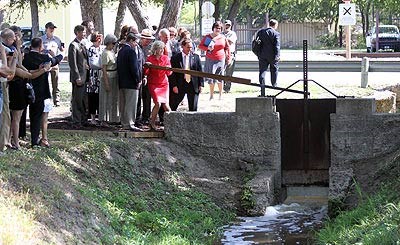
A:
<point x="157" y="81"/>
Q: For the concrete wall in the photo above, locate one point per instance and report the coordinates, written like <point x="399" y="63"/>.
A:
<point x="243" y="145"/>
<point x="358" y="136"/>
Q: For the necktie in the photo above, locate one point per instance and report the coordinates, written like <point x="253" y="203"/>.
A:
<point x="187" y="67"/>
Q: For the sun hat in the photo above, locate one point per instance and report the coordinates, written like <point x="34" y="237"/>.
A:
<point x="147" y="34"/>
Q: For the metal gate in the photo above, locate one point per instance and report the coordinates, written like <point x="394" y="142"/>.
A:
<point x="295" y="154"/>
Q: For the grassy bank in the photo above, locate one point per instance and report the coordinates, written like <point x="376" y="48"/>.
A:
<point x="99" y="190"/>
<point x="376" y="220"/>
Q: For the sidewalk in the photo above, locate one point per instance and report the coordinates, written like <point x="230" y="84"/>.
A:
<point x="314" y="55"/>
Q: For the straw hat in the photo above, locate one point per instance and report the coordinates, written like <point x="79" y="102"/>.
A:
<point x="147" y="34"/>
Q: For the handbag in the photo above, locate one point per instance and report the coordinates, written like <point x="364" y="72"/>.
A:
<point x="256" y="45"/>
<point x="29" y="93"/>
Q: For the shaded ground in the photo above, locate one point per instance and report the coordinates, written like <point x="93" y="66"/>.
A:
<point x="93" y="190"/>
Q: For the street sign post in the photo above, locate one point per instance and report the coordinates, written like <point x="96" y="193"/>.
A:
<point x="347" y="14"/>
<point x="347" y="17"/>
<point x="207" y="9"/>
<point x="206" y="25"/>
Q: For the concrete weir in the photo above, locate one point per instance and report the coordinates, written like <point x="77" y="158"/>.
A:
<point x="250" y="138"/>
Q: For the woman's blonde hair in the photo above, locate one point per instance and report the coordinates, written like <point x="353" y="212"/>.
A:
<point x="157" y="45"/>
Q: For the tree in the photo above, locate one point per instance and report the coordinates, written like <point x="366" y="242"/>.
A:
<point x="170" y="14"/>
<point x="217" y="12"/>
<point x="35" y="17"/>
<point x="233" y="10"/>
<point x="93" y="10"/>
<point x="20" y="5"/>
<point x="120" y="17"/>
<point x="141" y="19"/>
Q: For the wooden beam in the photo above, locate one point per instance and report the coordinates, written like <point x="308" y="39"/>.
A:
<point x="201" y="74"/>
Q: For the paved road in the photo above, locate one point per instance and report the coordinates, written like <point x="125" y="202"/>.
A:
<point x="331" y="80"/>
<point x="319" y="61"/>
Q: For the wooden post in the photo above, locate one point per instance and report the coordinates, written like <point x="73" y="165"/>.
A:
<point x="348" y="37"/>
<point x="348" y="42"/>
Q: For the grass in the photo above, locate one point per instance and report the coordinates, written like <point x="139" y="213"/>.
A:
<point x="376" y="220"/>
<point x="104" y="191"/>
<point x="17" y="225"/>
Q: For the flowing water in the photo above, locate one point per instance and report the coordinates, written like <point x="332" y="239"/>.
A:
<point x="281" y="224"/>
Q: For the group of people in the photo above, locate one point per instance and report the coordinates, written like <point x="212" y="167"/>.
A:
<point x="20" y="73"/>
<point x="115" y="79"/>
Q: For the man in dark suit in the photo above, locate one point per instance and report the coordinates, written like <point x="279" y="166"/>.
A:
<point x="129" y="80"/>
<point x="270" y="52"/>
<point x="77" y="60"/>
<point x="183" y="83"/>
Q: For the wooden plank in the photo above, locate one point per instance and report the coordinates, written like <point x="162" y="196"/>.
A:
<point x="201" y="74"/>
<point x="115" y="133"/>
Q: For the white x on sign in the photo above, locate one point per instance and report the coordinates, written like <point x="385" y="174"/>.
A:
<point x="347" y="14"/>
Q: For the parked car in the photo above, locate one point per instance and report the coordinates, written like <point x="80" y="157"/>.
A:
<point x="27" y="37"/>
<point x="389" y="38"/>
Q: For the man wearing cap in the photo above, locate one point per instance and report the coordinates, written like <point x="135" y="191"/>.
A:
<point x="231" y="38"/>
<point x="53" y="47"/>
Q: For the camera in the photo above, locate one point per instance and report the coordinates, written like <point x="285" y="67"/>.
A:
<point x="11" y="53"/>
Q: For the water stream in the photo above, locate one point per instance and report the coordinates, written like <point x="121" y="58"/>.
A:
<point x="281" y="224"/>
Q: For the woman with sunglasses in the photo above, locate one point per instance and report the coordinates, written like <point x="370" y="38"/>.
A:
<point x="217" y="55"/>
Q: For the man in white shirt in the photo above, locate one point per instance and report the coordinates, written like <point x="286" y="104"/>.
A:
<point x="53" y="46"/>
<point x="232" y="38"/>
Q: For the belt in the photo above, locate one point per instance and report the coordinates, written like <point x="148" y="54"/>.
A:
<point x="112" y="70"/>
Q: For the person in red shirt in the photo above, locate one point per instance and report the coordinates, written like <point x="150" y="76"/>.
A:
<point x="217" y="55"/>
<point x="157" y="81"/>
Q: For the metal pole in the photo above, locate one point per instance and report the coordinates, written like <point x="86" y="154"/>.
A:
<point x="306" y="123"/>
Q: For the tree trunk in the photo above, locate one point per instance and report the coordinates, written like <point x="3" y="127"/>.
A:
<point x="233" y="11"/>
<point x="217" y="13"/>
<point x="93" y="10"/>
<point x="2" y="11"/>
<point x="120" y="17"/>
<point x="35" y="17"/>
<point x="140" y="17"/>
<point x="170" y="13"/>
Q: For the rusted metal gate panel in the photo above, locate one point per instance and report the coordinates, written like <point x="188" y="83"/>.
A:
<point x="294" y="154"/>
